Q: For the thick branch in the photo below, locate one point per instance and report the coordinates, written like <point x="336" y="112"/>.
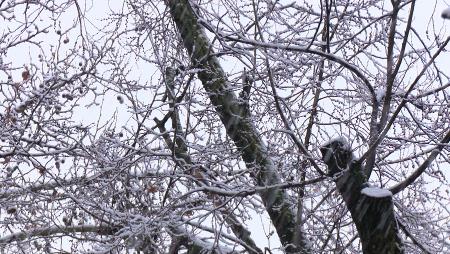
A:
<point x="390" y="77"/>
<point x="371" y="208"/>
<point x="179" y="149"/>
<point x="331" y="57"/>
<point x="232" y="115"/>
<point x="418" y="172"/>
<point x="49" y="231"/>
<point x="255" y="190"/>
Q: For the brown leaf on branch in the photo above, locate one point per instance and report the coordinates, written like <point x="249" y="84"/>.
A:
<point x="26" y="74"/>
<point x="152" y="188"/>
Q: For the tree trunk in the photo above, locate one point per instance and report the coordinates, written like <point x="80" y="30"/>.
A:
<point x="235" y="119"/>
<point x="371" y="208"/>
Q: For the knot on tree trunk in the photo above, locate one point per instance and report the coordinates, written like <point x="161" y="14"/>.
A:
<point x="337" y="155"/>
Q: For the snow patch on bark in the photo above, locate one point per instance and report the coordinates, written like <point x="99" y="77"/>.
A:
<point x="339" y="139"/>
<point x="330" y="150"/>
<point x="376" y="192"/>
<point x="380" y="93"/>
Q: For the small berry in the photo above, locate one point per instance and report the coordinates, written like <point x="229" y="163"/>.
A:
<point x="120" y="99"/>
<point x="11" y="210"/>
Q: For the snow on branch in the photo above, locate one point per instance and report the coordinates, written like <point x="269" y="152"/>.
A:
<point x="48" y="231"/>
<point x="376" y="192"/>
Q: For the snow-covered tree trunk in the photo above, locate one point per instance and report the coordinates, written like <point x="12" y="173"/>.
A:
<point x="235" y="119"/>
<point x="371" y="208"/>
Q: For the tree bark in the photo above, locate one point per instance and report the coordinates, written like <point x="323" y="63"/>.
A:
<point x="371" y="211"/>
<point x="238" y="126"/>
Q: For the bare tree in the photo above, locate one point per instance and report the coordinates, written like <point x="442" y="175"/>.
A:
<point x="167" y="126"/>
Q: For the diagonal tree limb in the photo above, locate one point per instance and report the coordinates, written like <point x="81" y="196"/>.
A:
<point x="277" y="99"/>
<point x="193" y="244"/>
<point x="413" y="239"/>
<point x="405" y="99"/>
<point x="238" y="127"/>
<point x="374" y="126"/>
<point x="180" y="151"/>
<point x="199" y="173"/>
<point x="53" y="230"/>
<point x="419" y="171"/>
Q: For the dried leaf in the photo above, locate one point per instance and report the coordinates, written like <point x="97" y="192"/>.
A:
<point x="26" y="74"/>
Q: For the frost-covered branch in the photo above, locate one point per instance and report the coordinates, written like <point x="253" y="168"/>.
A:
<point x="419" y="171"/>
<point x="331" y="57"/>
<point x="245" y="192"/>
<point x="403" y="102"/>
<point x="200" y="173"/>
<point x="54" y="230"/>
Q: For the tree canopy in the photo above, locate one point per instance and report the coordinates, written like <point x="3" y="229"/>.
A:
<point x="192" y="126"/>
